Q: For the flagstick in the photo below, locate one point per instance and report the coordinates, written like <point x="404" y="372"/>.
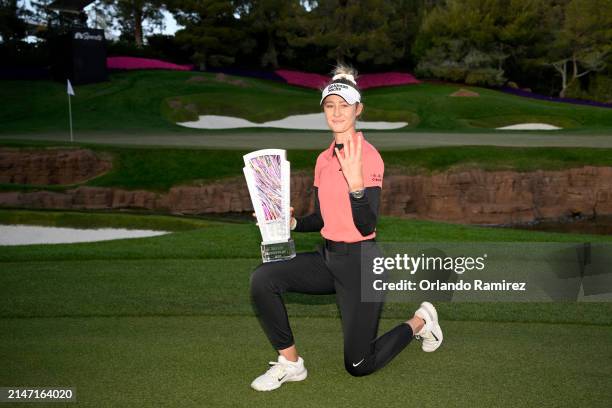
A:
<point x="70" y="115"/>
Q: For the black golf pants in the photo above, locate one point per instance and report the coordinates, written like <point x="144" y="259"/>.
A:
<point x="332" y="268"/>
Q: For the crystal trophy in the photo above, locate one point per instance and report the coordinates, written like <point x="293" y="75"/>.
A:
<point x="267" y="174"/>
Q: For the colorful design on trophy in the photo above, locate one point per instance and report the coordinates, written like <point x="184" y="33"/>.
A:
<point x="267" y="174"/>
<point x="267" y="171"/>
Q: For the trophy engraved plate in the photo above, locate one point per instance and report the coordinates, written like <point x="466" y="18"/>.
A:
<point x="267" y="174"/>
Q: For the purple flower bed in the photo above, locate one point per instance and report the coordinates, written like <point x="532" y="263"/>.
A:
<point x="305" y="79"/>
<point x="250" y="73"/>
<point x="131" y="63"/>
<point x="364" y="81"/>
<point x="527" y="94"/>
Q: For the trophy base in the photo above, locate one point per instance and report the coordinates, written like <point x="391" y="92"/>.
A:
<point x="278" y="251"/>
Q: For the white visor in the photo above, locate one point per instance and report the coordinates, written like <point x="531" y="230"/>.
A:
<point x="347" y="92"/>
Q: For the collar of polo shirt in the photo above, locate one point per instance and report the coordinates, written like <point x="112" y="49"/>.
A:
<point x="339" y="146"/>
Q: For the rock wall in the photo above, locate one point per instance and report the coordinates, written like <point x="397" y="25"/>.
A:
<point x="469" y="196"/>
<point x="50" y="166"/>
<point x="500" y="197"/>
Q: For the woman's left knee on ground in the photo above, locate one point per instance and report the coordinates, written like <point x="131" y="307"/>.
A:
<point x="358" y="371"/>
<point x="358" y="366"/>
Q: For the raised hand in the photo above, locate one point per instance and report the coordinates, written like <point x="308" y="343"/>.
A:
<point x="351" y="163"/>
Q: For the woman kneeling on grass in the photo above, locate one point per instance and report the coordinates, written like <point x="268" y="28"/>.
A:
<point x="347" y="186"/>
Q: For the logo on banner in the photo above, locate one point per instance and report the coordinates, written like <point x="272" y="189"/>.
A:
<point x="86" y="36"/>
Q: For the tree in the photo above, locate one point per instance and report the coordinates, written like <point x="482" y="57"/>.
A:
<point x="102" y="17"/>
<point x="212" y="33"/>
<point x="388" y="30"/>
<point x="12" y="21"/>
<point x="270" y="21"/>
<point x="374" y="31"/>
<point x="131" y="14"/>
<point x="329" y="25"/>
<point x="583" y="42"/>
<point x="471" y="40"/>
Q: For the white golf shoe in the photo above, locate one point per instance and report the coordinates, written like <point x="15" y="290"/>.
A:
<point x="280" y="372"/>
<point x="431" y="333"/>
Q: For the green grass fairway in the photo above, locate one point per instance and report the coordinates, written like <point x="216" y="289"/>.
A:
<point x="167" y="321"/>
<point x="158" y="169"/>
<point x="150" y="103"/>
<point x="208" y="361"/>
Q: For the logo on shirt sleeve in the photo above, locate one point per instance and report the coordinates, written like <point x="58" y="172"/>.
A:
<point x="376" y="177"/>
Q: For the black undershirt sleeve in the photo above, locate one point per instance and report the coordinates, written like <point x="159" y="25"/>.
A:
<point x="365" y="210"/>
<point x="311" y="222"/>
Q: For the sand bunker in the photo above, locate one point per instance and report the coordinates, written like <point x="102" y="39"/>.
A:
<point x="311" y="121"/>
<point x="34" y="234"/>
<point x="530" y="126"/>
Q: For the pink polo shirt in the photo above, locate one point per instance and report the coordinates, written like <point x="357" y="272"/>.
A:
<point x="334" y="196"/>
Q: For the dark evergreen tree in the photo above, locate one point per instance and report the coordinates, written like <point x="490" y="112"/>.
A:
<point x="213" y="34"/>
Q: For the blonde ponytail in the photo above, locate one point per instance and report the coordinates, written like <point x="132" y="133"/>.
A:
<point x="345" y="72"/>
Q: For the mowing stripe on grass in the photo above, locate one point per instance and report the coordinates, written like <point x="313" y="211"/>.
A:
<point x="215" y="287"/>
